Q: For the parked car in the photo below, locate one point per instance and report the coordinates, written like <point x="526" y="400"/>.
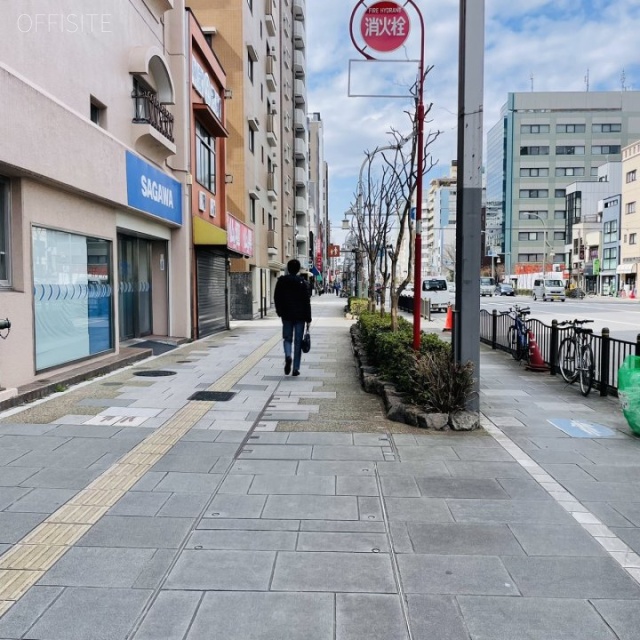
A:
<point x="487" y="286"/>
<point x="504" y="289"/>
<point x="436" y="290"/>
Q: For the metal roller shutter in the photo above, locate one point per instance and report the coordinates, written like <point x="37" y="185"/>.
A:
<point x="211" y="277"/>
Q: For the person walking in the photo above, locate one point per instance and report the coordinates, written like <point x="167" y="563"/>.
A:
<point x="293" y="306"/>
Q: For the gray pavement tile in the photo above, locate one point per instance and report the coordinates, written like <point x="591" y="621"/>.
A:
<point x="98" y="567"/>
<point x="438" y="452"/>
<point x="579" y="577"/>
<point x="370" y="508"/>
<point x="610" y="515"/>
<point x="185" y="463"/>
<point x="356" y="486"/>
<point x="436" y="468"/>
<point x="553" y="540"/>
<point x="201" y="435"/>
<point x="42" y="500"/>
<point x="106" y="614"/>
<point x="170" y="616"/>
<point x="264" y="616"/>
<point x="617" y="473"/>
<point x="482" y="454"/>
<point x="372" y="439"/>
<point x="438" y="617"/>
<point x="629" y="536"/>
<point x="184" y="505"/>
<point x="329" y="452"/>
<point x="237" y="539"/>
<point x="61" y="478"/>
<point x="463" y="539"/>
<point x="253" y="451"/>
<point x="318" y="438"/>
<point x="310" y="485"/>
<point x="14" y="526"/>
<point x="270" y="438"/>
<point x="400" y="541"/>
<point x="222" y="570"/>
<point x="371" y="616"/>
<point x="137" y="531"/>
<point x="562" y="456"/>
<point x="22" y="429"/>
<point x="235" y="506"/>
<point x="509" y="511"/>
<point x="139" y="503"/>
<point x="343" y="572"/>
<point x="20" y="618"/>
<point x="592" y="491"/>
<point x="455" y="575"/>
<point x="622" y="618"/>
<point x="222" y="465"/>
<point x="236" y="484"/>
<point x="176" y="482"/>
<point x="11" y="453"/>
<point x="9" y="495"/>
<point x="265" y="467"/>
<point x="399" y="487"/>
<point x="155" y="569"/>
<point x="630" y="510"/>
<point x="149" y="481"/>
<point x="346" y="526"/>
<point x="32" y="442"/>
<point x="248" y="524"/>
<point x="471" y="469"/>
<point x="326" y="468"/>
<point x="567" y="472"/>
<point x="486" y="488"/>
<point x="213" y="450"/>
<point x="523" y="489"/>
<point x="347" y="542"/>
<point x="12" y="476"/>
<point x="498" y="618"/>
<point x="308" y="507"/>
<point x="417" y="510"/>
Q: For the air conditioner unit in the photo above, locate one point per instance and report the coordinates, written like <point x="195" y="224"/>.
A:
<point x="202" y="200"/>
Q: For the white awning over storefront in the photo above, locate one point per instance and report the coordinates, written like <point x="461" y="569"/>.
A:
<point x="630" y="267"/>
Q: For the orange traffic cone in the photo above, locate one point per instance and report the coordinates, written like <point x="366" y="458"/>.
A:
<point x="448" y="323"/>
<point x="536" y="363"/>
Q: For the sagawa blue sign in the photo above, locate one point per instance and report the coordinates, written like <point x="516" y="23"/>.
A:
<point x="150" y="190"/>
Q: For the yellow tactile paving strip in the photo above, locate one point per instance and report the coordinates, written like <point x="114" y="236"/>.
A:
<point x="26" y="562"/>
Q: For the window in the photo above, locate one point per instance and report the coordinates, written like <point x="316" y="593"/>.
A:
<point x="605" y="149"/>
<point x="534" y="128"/>
<point x="631" y="176"/>
<point x="606" y="128"/>
<point x="529" y="257"/>
<point x="5" y="244"/>
<point x="251" y="139"/>
<point x="559" y="235"/>
<point x="205" y="158"/>
<point x="559" y="214"/>
<point x="534" y="173"/>
<point x="252" y="210"/>
<point x="569" y="171"/>
<point x="569" y="150"/>
<point x="250" y="66"/>
<point x="630" y="207"/>
<point x="611" y="203"/>
<point x="610" y="231"/>
<point x="632" y="238"/>
<point x="570" y="128"/>
<point x="250" y="3"/>
<point x="529" y="214"/>
<point x="594" y="172"/>
<point x="534" y="151"/>
<point x="610" y="259"/>
<point x="524" y="236"/>
<point x="534" y="193"/>
<point x="559" y="193"/>
<point x="97" y="112"/>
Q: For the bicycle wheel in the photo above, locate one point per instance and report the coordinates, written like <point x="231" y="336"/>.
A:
<point x="512" y="341"/>
<point x="586" y="370"/>
<point x="567" y="360"/>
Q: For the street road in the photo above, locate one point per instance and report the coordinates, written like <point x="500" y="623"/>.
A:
<point x="622" y="317"/>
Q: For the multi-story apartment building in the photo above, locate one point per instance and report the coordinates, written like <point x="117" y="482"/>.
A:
<point x="630" y="218"/>
<point x="318" y="197"/>
<point x="542" y="142"/>
<point x="609" y="209"/>
<point x="261" y="45"/>
<point x="95" y="239"/>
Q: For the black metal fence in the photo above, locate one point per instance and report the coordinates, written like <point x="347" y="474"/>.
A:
<point x="609" y="353"/>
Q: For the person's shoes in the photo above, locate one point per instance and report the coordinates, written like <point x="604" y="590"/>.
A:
<point x="295" y="372"/>
<point x="287" y="366"/>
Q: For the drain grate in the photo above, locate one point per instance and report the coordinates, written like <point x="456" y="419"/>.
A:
<point x="111" y="384"/>
<point x="153" y="373"/>
<point x="212" y="396"/>
<point x="184" y="361"/>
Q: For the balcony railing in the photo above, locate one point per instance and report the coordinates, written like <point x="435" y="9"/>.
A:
<point x="149" y="110"/>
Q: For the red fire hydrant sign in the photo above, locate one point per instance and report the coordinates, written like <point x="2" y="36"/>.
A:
<point x="385" y="26"/>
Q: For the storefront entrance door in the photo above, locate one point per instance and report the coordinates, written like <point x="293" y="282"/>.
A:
<point x="134" y="290"/>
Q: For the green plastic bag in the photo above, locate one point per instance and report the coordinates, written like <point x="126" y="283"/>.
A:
<point x="629" y="391"/>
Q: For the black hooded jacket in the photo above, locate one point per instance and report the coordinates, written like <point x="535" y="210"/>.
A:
<point x="292" y="298"/>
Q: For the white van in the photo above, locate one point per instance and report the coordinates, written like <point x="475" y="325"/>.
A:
<point x="548" y="290"/>
<point x="487" y="286"/>
<point x="436" y="290"/>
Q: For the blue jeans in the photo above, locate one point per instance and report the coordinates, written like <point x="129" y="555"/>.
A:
<point x="293" y="329"/>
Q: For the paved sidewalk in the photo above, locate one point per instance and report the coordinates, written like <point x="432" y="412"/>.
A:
<point x="279" y="508"/>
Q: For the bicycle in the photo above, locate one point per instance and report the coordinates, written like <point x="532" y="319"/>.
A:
<point x="518" y="334"/>
<point x="575" y="355"/>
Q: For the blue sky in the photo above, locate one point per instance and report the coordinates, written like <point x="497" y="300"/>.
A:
<point x="552" y="44"/>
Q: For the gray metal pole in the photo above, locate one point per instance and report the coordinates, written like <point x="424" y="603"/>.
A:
<point x="470" y="106"/>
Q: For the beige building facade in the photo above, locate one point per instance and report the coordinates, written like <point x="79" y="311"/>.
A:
<point x="95" y="240"/>
<point x="630" y="218"/>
